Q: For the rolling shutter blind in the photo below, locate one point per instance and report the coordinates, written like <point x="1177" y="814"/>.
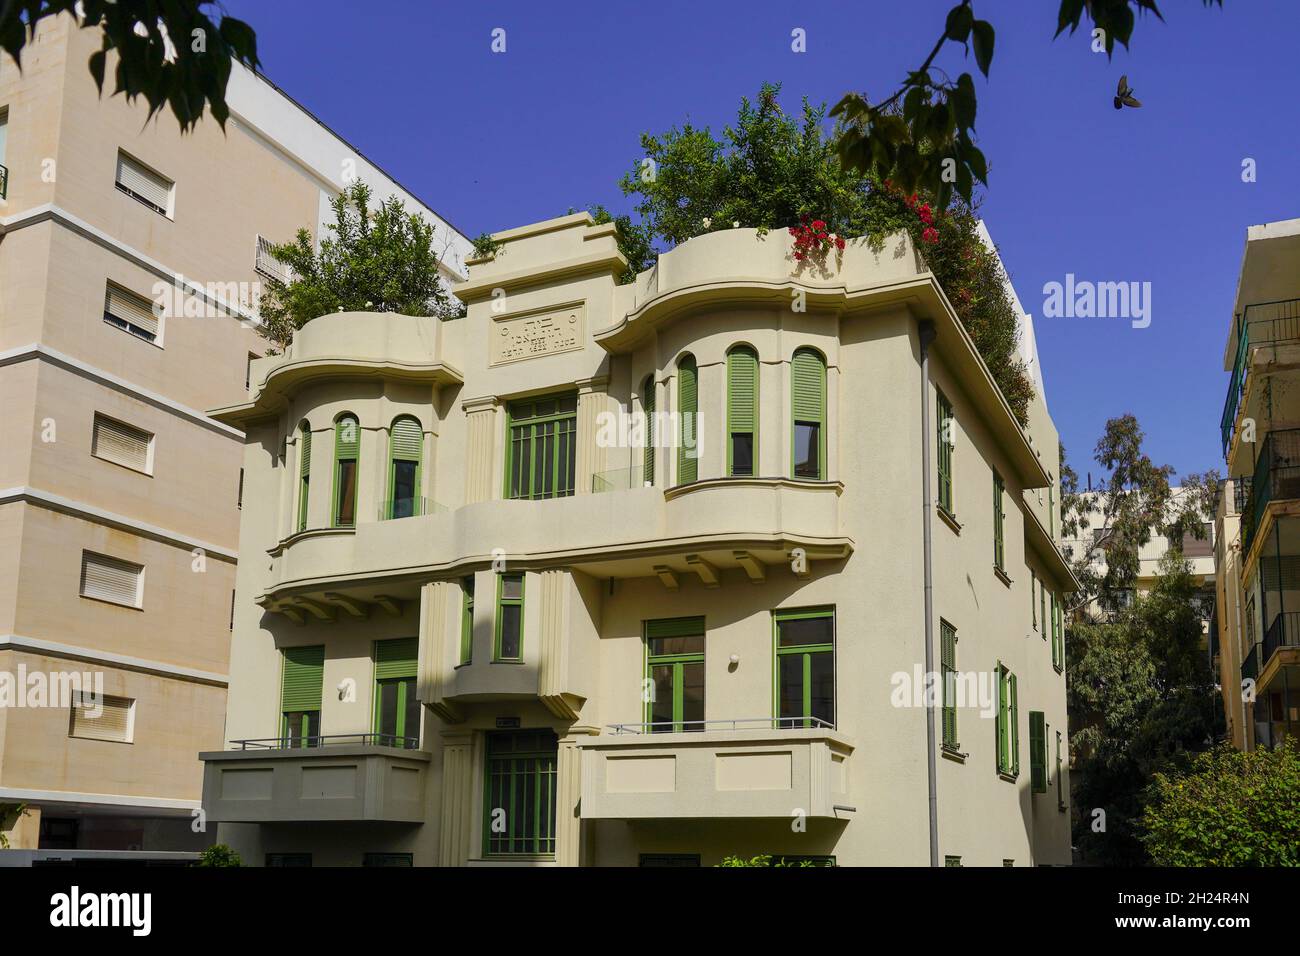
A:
<point x="120" y="443"/>
<point x="395" y="658"/>
<point x="687" y="408"/>
<point x="1037" y="752"/>
<point x="268" y="265"/>
<point x="807" y="386"/>
<point x="648" y="457"/>
<point x="675" y="627"/>
<point x="109" y="579"/>
<point x="112" y="723"/>
<point x="145" y="183"/>
<point x="407" y="439"/>
<point x="131" y="308"/>
<point x="304" y="671"/>
<point x="347" y="438"/>
<point x="305" y="454"/>
<point x="742" y="390"/>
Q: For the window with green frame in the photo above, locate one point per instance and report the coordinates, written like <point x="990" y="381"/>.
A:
<point x="648" y="409"/>
<point x="405" y="458"/>
<point x="999" y="557"/>
<point x="953" y="862"/>
<point x="387" y="859"/>
<point x="301" y="676"/>
<point x="1037" y="752"/>
<point x="541" y="452"/>
<point x="1058" y="634"/>
<point x="1008" y="723"/>
<point x="948" y="674"/>
<point x="688" y="410"/>
<point x="508" y="644"/>
<point x="945" y="424"/>
<point x="742" y="411"/>
<point x="347" y="452"/>
<point x="397" y="712"/>
<point x="288" y="859"/>
<point x="467" y="619"/>
<point x="688" y="860"/>
<point x="304" y="473"/>
<point x="1042" y="607"/>
<point x="808" y="414"/>
<point x="805" y="666"/>
<point x="1060" y="785"/>
<point x="674" y="674"/>
<point x="519" y="793"/>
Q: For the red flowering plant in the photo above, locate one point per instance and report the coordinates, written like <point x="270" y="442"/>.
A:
<point x="812" y="240"/>
<point x="930" y="234"/>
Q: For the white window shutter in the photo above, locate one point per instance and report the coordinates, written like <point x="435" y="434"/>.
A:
<point x="111" y="579"/>
<point x="101" y="718"/>
<point x="144" y="183"/>
<point x="121" y="443"/>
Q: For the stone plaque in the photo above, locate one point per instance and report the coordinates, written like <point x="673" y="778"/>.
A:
<point x="547" y="332"/>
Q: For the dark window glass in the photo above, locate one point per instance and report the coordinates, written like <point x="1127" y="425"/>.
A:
<point x="822" y="686"/>
<point x="807" y="450"/>
<point x="803" y="631"/>
<point x="302" y="727"/>
<point x="791" y="678"/>
<point x="404" y="504"/>
<point x="742" y="453"/>
<point x="661" y="707"/>
<point x="693" y="696"/>
<point x="347" y="493"/>
<point x="510" y="617"/>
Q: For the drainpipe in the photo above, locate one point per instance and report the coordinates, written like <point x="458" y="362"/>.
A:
<point x="925" y="334"/>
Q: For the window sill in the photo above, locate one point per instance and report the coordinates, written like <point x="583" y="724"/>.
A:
<point x="953" y="754"/>
<point x="505" y="661"/>
<point x="1062" y="808"/>
<point x="1002" y="575"/>
<point x="1008" y="777"/>
<point x="949" y="518"/>
<point x="1058" y="668"/>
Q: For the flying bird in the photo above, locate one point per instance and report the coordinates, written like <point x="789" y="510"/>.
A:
<point x="1124" y="94"/>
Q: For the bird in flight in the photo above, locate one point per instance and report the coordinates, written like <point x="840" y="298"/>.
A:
<point x="1124" y="94"/>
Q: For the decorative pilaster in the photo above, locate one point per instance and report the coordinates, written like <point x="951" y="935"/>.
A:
<point x="590" y="459"/>
<point x="482" y="434"/>
<point x="457" y="816"/>
<point x="437" y="599"/>
<point x="553" y="627"/>
<point x="568" y="798"/>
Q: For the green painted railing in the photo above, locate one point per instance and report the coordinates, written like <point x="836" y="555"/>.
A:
<point x="1262" y="323"/>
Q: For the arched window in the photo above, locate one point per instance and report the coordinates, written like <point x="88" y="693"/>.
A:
<point x="742" y="411"/>
<point x="347" y="451"/>
<point x="648" y="407"/>
<point x="688" y="407"/>
<point x="405" y="455"/>
<point x="808" y="413"/>
<point x="304" y="473"/>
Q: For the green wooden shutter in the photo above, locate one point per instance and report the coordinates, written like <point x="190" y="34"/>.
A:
<point x="742" y="398"/>
<point x="304" y="671"/>
<point x="396" y="658"/>
<point x="1037" y="752"/>
<point x="674" y="627"/>
<point x="808" y="397"/>
<point x="1015" y="726"/>
<point x="998" y="489"/>
<point x="948" y="672"/>
<point x="943" y="416"/>
<point x="347" y="441"/>
<point x="1002" y="718"/>
<point x="688" y="452"/>
<point x="648" y="406"/>
<point x="407" y="440"/>
<point x="304" y="474"/>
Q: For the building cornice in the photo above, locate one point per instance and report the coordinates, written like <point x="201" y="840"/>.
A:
<point x="36" y="645"/>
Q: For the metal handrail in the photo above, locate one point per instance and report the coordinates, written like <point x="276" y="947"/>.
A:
<point x="1277" y="476"/>
<point x="1282" y="325"/>
<point x="327" y="740"/>
<point x="4" y="181"/>
<point x="753" y="723"/>
<point x="1283" y="632"/>
<point x="1250" y="666"/>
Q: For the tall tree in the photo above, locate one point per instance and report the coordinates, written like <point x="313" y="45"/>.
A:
<point x="168" y="51"/>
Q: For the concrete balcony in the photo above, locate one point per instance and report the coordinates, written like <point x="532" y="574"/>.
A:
<point x="721" y="771"/>
<point x="350" y="778"/>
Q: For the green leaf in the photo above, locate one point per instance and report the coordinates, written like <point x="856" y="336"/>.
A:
<point x="958" y="24"/>
<point x="982" y="41"/>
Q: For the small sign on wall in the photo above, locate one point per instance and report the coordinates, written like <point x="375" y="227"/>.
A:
<point x="534" y="334"/>
<point x="507" y="723"/>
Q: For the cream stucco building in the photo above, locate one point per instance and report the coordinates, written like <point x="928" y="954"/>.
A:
<point x="478" y="622"/>
<point x="1258" y="522"/>
<point x="130" y="262"/>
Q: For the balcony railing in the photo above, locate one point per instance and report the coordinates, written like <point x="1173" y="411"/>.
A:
<point x="1264" y="323"/>
<point x="409" y="508"/>
<point x="739" y="723"/>
<point x="1250" y="666"/>
<point x="4" y="182"/>
<point x="353" y="740"/>
<point x="618" y="479"/>
<point x="1277" y="476"/>
<point x="1283" y="632"/>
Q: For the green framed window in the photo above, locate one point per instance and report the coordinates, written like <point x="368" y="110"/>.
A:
<point x="519" y="793"/>
<point x="405" y="458"/>
<point x="1008" y="723"/>
<point x="674" y="674"/>
<point x="1008" y="863"/>
<point x="304" y="473"/>
<point x="509" y="641"/>
<point x="805" y="666"/>
<point x="948" y="674"/>
<point x="953" y="862"/>
<point x="802" y="859"/>
<point x="688" y="860"/>
<point x="1037" y="752"/>
<point x="1051" y="509"/>
<point x="467" y="619"/>
<point x="1058" y="634"/>
<point x="999" y="555"/>
<point x="387" y="859"/>
<point x="648" y="408"/>
<point x="397" y="712"/>
<point x="742" y="411"/>
<point x="945" y="425"/>
<point x="302" y="673"/>
<point x="808" y="414"/>
<point x="1060" y="785"/>
<point x="1042" y="607"/>
<point x="347" y="453"/>
<point x="541" y="454"/>
<point x="688" y="410"/>
<point x="288" y="859"/>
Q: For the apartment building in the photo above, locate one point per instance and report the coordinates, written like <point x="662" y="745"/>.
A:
<point x="130" y="263"/>
<point x="1258" y="517"/>
<point x="481" y="620"/>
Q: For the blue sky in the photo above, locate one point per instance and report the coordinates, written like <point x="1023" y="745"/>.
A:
<point x="1151" y="195"/>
